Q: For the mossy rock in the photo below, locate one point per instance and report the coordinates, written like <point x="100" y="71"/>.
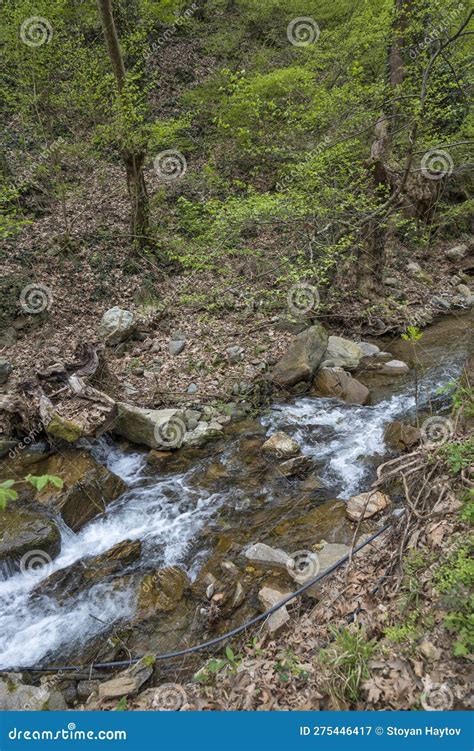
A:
<point x="64" y="429"/>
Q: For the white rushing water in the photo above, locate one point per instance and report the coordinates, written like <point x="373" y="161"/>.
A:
<point x="168" y="513"/>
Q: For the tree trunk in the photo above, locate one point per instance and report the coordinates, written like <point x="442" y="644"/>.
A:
<point x="133" y="161"/>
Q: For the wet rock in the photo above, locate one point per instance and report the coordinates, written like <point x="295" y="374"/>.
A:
<point x="298" y="466"/>
<point x="24" y="531"/>
<point x="281" y="445"/>
<point x="263" y="555"/>
<point x="365" y="505"/>
<point x="156" y="428"/>
<point x="368" y="349"/>
<point x="401" y="436"/>
<point x="161" y="592"/>
<point x="16" y="696"/>
<point x="343" y="353"/>
<point x="456" y="253"/>
<point x="5" y="370"/>
<point x="335" y="382"/>
<point x="69" y="581"/>
<point x="395" y="367"/>
<point x="302" y="358"/>
<point x="204" y="432"/>
<point x="268" y="598"/>
<point x="6" y="445"/>
<point x="116" y="325"/>
<point x="88" y="487"/>
<point x="176" y="347"/>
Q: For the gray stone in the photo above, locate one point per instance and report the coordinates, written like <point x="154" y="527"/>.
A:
<point x="269" y="597"/>
<point x="368" y="349"/>
<point x="335" y="382"/>
<point x="365" y="505"/>
<point x="391" y="281"/>
<point x="413" y="267"/>
<point x="16" y="696"/>
<point x="178" y="336"/>
<point x="5" y="370"/>
<point x="175" y="347"/>
<point x="456" y="253"/>
<point x="463" y="290"/>
<point x="25" y="532"/>
<point x="264" y="555"/>
<point x="234" y="354"/>
<point x="116" y="325"/>
<point x="343" y="353"/>
<point x="302" y="357"/>
<point x="440" y="302"/>
<point x="156" y="428"/>
<point x="192" y="388"/>
<point x="395" y="367"/>
<point x="125" y="683"/>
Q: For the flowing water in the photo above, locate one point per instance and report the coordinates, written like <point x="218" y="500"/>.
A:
<point x="171" y="514"/>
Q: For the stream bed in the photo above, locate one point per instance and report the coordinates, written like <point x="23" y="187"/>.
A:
<point x="205" y="506"/>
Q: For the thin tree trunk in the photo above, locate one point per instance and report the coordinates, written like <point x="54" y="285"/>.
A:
<point x="133" y="161"/>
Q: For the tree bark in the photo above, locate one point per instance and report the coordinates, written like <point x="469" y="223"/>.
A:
<point x="133" y="160"/>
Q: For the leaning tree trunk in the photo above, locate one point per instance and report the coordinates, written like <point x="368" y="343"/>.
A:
<point x="133" y="160"/>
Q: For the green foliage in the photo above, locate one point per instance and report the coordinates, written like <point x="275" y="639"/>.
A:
<point x="458" y="456"/>
<point x="412" y="334"/>
<point x="288" y="666"/>
<point x="7" y="493"/>
<point x="38" y="482"/>
<point x="455" y="581"/>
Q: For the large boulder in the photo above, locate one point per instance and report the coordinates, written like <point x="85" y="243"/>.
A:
<point x="116" y="325"/>
<point x="337" y="383"/>
<point x="281" y="445"/>
<point x="395" y="367"/>
<point x="156" y="428"/>
<point x="264" y="555"/>
<point x="342" y="353"/>
<point x="161" y="592"/>
<point x="401" y="435"/>
<point x="24" y="531"/>
<point x="16" y="696"/>
<point x="365" y="505"/>
<point x="302" y="358"/>
<point x="88" y="487"/>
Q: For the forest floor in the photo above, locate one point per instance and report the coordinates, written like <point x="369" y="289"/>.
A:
<point x="83" y="265"/>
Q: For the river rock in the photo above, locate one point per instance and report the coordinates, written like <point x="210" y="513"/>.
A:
<point x="368" y="349"/>
<point x="401" y="435"/>
<point x="202" y="433"/>
<point x="395" y="367"/>
<point x="464" y="290"/>
<point x="343" y="353"/>
<point x="269" y="597"/>
<point x="16" y="696"/>
<point x="68" y="581"/>
<point x="456" y="253"/>
<point x="337" y="383"/>
<point x="365" y="505"/>
<point x="156" y="428"/>
<point x="116" y="325"/>
<point x="302" y="357"/>
<point x="234" y="354"/>
<point x="5" y="370"/>
<point x="161" y="592"/>
<point x="88" y="487"/>
<point x="263" y="555"/>
<point x="6" y="445"/>
<point x="298" y="466"/>
<point x="23" y="532"/>
<point x="281" y="445"/>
